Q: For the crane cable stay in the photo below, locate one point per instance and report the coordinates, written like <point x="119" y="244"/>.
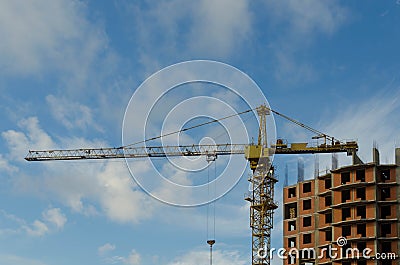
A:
<point x="318" y="133"/>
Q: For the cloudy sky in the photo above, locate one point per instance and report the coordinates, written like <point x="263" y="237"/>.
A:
<point x="69" y="68"/>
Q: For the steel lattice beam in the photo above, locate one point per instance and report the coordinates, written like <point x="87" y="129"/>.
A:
<point x="136" y="152"/>
<point x="164" y="151"/>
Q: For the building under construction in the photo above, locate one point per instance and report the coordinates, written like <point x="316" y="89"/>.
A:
<point x="338" y="217"/>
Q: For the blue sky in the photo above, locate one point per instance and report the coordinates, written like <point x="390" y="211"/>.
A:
<point x="68" y="69"/>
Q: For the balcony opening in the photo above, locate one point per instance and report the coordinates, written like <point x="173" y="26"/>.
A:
<point x="292" y="242"/>
<point x="385" y="175"/>
<point x="307" y="204"/>
<point x="362" y="230"/>
<point x="346" y="213"/>
<point x="386" y="262"/>
<point x="345" y="195"/>
<point x="307" y="221"/>
<point x="328" y="183"/>
<point x="346" y="262"/>
<point x="386" y="211"/>
<point x="291" y="210"/>
<point x="360" y="175"/>
<point x="292" y="192"/>
<point x="291" y="225"/>
<point x="362" y="211"/>
<point x="328" y="218"/>
<point x="306" y="238"/>
<point x="346" y="230"/>
<point x="386" y="247"/>
<point x="361" y="262"/>
<point x="307" y="187"/>
<point x="345" y="178"/>
<point x="386" y="229"/>
<point x="328" y="201"/>
<point x="360" y="193"/>
<point x="361" y="246"/>
<point x="328" y="235"/>
<point x="385" y="193"/>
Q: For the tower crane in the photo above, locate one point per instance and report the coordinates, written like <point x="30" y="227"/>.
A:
<point x="262" y="204"/>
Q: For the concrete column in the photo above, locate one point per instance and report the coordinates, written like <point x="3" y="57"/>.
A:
<point x="300" y="169"/>
<point x="335" y="162"/>
<point x="356" y="159"/>
<point x="375" y="155"/>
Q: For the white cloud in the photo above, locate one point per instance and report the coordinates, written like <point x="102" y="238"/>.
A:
<point x="215" y="28"/>
<point x="34" y="138"/>
<point x="203" y="257"/>
<point x="9" y="259"/>
<point x="369" y="121"/>
<point x="38" y="228"/>
<point x="83" y="187"/>
<point x="289" y="69"/>
<point x="133" y="258"/>
<point x="309" y="16"/>
<point x="56" y="217"/>
<point x="106" y="185"/>
<point x="219" y="26"/>
<point x="300" y="22"/>
<point x="120" y="198"/>
<point x="71" y="114"/>
<point x="10" y="224"/>
<point x="52" y="219"/>
<point x="6" y="166"/>
<point x="106" y="248"/>
<point x="50" y="34"/>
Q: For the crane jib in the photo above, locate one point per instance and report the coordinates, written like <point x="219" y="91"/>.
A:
<point x="190" y="150"/>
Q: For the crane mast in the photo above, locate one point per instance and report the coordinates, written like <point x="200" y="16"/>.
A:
<point x="261" y="198"/>
<point x="262" y="194"/>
